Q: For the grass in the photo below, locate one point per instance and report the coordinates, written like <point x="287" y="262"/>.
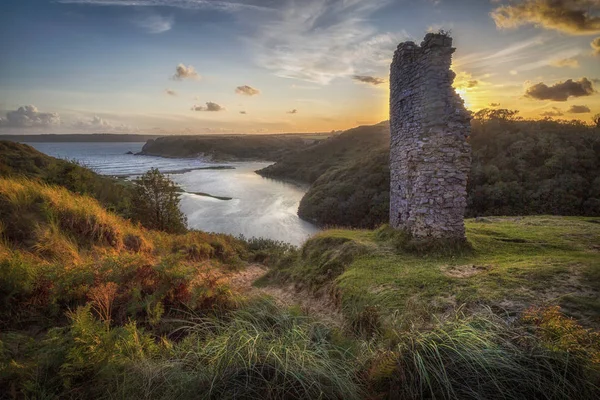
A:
<point x="514" y="262"/>
<point x="57" y="247"/>
<point x="478" y="356"/>
<point x="94" y="306"/>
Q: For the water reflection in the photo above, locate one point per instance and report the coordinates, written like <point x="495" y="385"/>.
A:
<point x="259" y="207"/>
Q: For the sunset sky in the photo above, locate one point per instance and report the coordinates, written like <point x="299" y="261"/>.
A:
<point x="250" y="66"/>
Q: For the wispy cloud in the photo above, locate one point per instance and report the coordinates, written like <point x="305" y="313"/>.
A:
<point x="565" y="62"/>
<point x="294" y="111"/>
<point x="310" y="40"/>
<point x="154" y="23"/>
<point x="100" y="125"/>
<point x="321" y="40"/>
<point x="223" y="5"/>
<point x="510" y="54"/>
<point x="371" y="80"/>
<point x="170" y="92"/>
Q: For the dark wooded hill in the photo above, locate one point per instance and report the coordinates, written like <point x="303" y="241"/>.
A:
<point x="519" y="167"/>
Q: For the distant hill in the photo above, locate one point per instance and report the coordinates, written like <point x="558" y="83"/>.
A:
<point x="308" y="164"/>
<point x="231" y="147"/>
<point x="94" y="137"/>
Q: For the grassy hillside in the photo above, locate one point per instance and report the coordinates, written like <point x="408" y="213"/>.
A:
<point x="514" y="263"/>
<point x="519" y="168"/>
<point x="229" y="147"/>
<point x="94" y="306"/>
<point x="21" y="160"/>
<point x="308" y="164"/>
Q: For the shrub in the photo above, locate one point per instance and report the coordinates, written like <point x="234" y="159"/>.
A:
<point x="156" y="200"/>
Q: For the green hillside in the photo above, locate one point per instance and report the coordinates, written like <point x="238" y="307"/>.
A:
<point x="95" y="306"/>
<point x="308" y="164"/>
<point x="514" y="263"/>
<point x="21" y="160"/>
<point x="519" y="167"/>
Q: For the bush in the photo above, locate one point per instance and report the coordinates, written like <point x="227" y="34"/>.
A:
<point x="156" y="200"/>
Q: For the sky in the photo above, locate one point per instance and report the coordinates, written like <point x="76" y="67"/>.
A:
<point x="267" y="66"/>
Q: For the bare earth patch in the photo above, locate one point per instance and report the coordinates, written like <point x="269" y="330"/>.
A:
<point x="464" y="271"/>
<point x="321" y="306"/>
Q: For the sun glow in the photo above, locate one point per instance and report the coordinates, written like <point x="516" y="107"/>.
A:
<point x="463" y="93"/>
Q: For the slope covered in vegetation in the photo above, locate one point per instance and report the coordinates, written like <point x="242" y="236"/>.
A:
<point x="308" y="164"/>
<point x="519" y="168"/>
<point x="94" y="306"/>
<point x="21" y="160"/>
<point x="514" y="263"/>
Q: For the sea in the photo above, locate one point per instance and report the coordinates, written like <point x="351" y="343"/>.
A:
<point x="234" y="200"/>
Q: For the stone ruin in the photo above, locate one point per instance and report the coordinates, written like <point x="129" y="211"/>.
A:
<point x="430" y="158"/>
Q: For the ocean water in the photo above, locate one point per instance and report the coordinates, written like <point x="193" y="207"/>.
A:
<point x="259" y="207"/>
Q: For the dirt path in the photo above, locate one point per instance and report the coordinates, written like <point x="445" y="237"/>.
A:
<point x="287" y="296"/>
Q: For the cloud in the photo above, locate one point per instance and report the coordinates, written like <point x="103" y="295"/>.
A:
<point x="575" y="17"/>
<point x="154" y="23"/>
<point x="220" y="5"/>
<point x="372" y="80"/>
<point x="560" y="91"/>
<point x="182" y="72"/>
<point x="321" y="40"/>
<point x="565" y="62"/>
<point x="97" y="123"/>
<point x="170" y="92"/>
<point x="247" y="90"/>
<point x="494" y="105"/>
<point x="294" y="111"/>
<point x="596" y="46"/>
<point x="29" y="117"/>
<point x="243" y="112"/>
<point x="210" y="106"/>
<point x="555" y="112"/>
<point x="465" y="80"/>
<point x="579" y="110"/>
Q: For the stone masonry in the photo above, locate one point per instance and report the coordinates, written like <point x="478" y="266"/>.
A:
<point x="429" y="157"/>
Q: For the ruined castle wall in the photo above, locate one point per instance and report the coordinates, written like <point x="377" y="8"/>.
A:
<point x="429" y="157"/>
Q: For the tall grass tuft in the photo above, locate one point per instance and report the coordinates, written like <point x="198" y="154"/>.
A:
<point x="478" y="357"/>
<point x="261" y="351"/>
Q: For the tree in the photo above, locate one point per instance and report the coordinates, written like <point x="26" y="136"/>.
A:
<point x="596" y="119"/>
<point x="156" y="203"/>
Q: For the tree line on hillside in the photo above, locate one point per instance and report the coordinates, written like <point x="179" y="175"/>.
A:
<point x="520" y="167"/>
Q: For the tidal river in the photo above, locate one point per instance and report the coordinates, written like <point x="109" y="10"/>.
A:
<point x="244" y="203"/>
